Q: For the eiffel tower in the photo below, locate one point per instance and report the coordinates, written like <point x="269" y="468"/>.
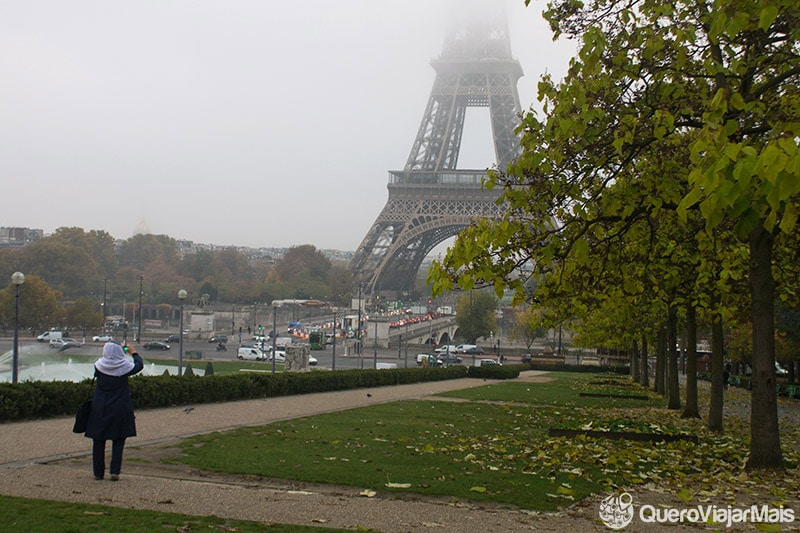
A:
<point x="431" y="199"/>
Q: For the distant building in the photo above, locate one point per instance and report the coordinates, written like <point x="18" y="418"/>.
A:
<point x="18" y="237"/>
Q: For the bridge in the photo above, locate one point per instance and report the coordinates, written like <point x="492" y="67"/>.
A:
<point x="439" y="330"/>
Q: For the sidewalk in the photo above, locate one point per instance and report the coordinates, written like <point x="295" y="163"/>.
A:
<point x="45" y="460"/>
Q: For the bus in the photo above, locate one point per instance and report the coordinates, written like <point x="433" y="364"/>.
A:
<point x="317" y="340"/>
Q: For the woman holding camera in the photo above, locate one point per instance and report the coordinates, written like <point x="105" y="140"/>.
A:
<point x="111" y="417"/>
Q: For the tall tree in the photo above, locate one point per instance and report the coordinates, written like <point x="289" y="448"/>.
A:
<point x="528" y="326"/>
<point x="715" y="83"/>
<point x="65" y="267"/>
<point x="84" y="315"/>
<point x="475" y="315"/>
<point x="38" y="308"/>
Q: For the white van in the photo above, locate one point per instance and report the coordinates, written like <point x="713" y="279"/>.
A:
<point x="283" y="342"/>
<point x="47" y="336"/>
<point x="251" y="353"/>
<point x="446" y="348"/>
<point x="425" y="358"/>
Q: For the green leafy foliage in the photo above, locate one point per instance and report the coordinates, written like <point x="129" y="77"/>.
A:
<point x="25" y="514"/>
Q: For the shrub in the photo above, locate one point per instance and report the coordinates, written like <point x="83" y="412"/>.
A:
<point x="494" y="371"/>
<point x="46" y="399"/>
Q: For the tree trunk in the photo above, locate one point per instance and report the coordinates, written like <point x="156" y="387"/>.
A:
<point x="765" y="439"/>
<point x="659" y="381"/>
<point x="717" y="362"/>
<point x="691" y="410"/>
<point x="635" y="362"/>
<point x="645" y="364"/>
<point x="673" y="385"/>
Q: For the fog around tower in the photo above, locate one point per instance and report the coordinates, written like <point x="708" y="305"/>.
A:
<point x="241" y="122"/>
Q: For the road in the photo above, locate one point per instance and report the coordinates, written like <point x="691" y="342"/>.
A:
<point x="345" y="357"/>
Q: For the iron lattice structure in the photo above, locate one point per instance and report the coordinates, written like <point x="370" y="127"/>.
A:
<point x="432" y="200"/>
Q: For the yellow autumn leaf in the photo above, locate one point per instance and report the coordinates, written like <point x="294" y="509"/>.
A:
<point x="564" y="491"/>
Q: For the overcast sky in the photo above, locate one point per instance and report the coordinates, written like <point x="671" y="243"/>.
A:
<point x="229" y="122"/>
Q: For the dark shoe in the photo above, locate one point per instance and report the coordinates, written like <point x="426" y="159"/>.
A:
<point x="98" y="478"/>
<point x="114" y="477"/>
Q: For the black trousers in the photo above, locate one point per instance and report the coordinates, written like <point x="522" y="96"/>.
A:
<point x="99" y="456"/>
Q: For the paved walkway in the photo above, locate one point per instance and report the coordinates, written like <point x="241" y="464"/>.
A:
<point x="45" y="460"/>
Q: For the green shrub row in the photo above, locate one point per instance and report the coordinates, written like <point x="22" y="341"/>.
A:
<point x="47" y="399"/>
<point x="562" y="367"/>
<point x="494" y="371"/>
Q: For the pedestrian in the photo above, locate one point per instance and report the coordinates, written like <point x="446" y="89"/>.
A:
<point x="111" y="417"/>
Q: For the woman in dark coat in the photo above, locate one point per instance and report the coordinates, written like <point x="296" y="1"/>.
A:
<point x="112" y="417"/>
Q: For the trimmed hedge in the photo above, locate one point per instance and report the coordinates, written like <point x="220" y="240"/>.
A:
<point x="31" y="400"/>
<point x="560" y="367"/>
<point x="494" y="371"/>
<point x="47" y="399"/>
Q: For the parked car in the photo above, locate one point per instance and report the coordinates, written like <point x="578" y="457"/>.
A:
<point x="64" y="342"/>
<point x="251" y="353"/>
<point x="47" y="336"/>
<point x="312" y="361"/>
<point x="449" y="359"/>
<point x="102" y="338"/>
<point x="779" y="370"/>
<point x="260" y="340"/>
<point x="280" y="356"/>
<point x="446" y="348"/>
<point x="488" y="362"/>
<point x="462" y="348"/>
<point x="219" y="339"/>
<point x="156" y="345"/>
<point x="526" y="358"/>
<point x="173" y="338"/>
<point x="473" y="350"/>
<point x="423" y="357"/>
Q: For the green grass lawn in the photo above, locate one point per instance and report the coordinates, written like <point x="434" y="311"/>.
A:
<point x="25" y="515"/>
<point x="564" y="390"/>
<point x="493" y="445"/>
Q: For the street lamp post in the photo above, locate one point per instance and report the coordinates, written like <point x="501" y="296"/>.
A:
<point x="358" y="330"/>
<point x="375" y="353"/>
<point x="17" y="278"/>
<point x="333" y="364"/>
<point x="182" y="297"/>
<point x="124" y="318"/>
<point x="105" y="310"/>
<point x="275" y="305"/>
<point x="139" y="324"/>
<point x="407" y="339"/>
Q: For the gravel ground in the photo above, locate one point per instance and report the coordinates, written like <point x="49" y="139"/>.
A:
<point x="43" y="459"/>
